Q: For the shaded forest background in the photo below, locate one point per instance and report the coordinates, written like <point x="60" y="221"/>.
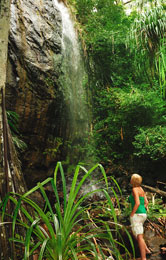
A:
<point x="125" y="51"/>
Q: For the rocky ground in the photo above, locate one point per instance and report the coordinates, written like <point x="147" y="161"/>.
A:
<point x="155" y="243"/>
<point x="155" y="237"/>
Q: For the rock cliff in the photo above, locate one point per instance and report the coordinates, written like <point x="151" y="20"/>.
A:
<point x="32" y="91"/>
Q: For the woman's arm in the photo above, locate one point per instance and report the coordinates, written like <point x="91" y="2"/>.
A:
<point x="137" y="202"/>
<point x="146" y="201"/>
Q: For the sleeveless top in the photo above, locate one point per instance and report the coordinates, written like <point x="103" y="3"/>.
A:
<point x="141" y="209"/>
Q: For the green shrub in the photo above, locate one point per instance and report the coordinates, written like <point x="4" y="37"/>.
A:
<point x="119" y="115"/>
<point x="151" y="143"/>
<point x="62" y="231"/>
<point x="156" y="209"/>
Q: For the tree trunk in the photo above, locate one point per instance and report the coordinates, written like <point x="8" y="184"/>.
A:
<point x="11" y="178"/>
<point x="4" y="30"/>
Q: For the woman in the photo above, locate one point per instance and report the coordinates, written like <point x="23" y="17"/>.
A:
<point x="138" y="215"/>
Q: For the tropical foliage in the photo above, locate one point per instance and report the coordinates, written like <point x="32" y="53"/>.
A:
<point x="148" y="43"/>
<point x="122" y="116"/>
<point x="151" y="143"/>
<point x="13" y="119"/>
<point x="126" y="61"/>
<point x="64" y="229"/>
<point x="126" y="54"/>
<point x="104" y="26"/>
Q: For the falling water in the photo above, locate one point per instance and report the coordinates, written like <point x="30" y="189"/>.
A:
<point x="72" y="78"/>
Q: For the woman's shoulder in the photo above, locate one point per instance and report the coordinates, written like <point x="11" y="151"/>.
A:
<point x="135" y="189"/>
<point x="141" y="192"/>
<point x="138" y="190"/>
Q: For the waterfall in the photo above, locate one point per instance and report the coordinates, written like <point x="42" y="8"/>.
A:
<point x="73" y="75"/>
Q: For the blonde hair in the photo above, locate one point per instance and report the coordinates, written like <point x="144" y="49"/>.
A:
<point x="136" y="180"/>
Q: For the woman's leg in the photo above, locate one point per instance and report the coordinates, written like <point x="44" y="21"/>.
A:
<point x="142" y="246"/>
<point x="148" y="251"/>
<point x="35" y="255"/>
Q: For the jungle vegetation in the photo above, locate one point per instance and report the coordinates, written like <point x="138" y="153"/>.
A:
<point x="70" y="226"/>
<point x="125" y="48"/>
<point x="126" y="58"/>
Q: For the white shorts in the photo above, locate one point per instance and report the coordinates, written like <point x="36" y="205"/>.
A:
<point x="137" y="222"/>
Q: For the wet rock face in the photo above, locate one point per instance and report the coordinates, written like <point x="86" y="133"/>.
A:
<point x="32" y="88"/>
<point x="35" y="35"/>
